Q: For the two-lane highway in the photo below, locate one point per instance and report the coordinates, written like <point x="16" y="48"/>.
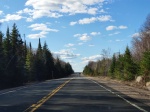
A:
<point x="73" y="94"/>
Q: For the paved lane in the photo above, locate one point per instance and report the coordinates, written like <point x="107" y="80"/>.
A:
<point x="66" y="95"/>
<point x="18" y="100"/>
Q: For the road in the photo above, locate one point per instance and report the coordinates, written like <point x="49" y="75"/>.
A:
<point x="73" y="94"/>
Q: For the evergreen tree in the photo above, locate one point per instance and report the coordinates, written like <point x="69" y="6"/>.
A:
<point x="113" y="66"/>
<point x="16" y="62"/>
<point x="30" y="76"/>
<point x="129" y="66"/>
<point x="145" y="65"/>
<point x="48" y="62"/>
<point x="119" y="69"/>
<point x="39" y="63"/>
<point x="2" y="59"/>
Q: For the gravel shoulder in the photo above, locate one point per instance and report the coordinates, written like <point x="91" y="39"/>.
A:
<point x="141" y="95"/>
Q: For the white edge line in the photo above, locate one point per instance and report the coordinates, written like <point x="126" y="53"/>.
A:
<point x="119" y="96"/>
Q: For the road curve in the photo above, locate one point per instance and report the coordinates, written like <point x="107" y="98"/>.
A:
<point x="73" y="94"/>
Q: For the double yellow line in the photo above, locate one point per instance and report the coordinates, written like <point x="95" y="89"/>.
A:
<point x="34" y="107"/>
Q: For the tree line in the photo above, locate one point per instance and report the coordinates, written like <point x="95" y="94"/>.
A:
<point x="133" y="62"/>
<point x="20" y="63"/>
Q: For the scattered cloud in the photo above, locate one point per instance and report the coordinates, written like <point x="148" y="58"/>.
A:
<point x="111" y="28"/>
<point x="95" y="33"/>
<point x="92" y="58"/>
<point x="102" y="18"/>
<point x="87" y="20"/>
<point x="41" y="27"/>
<point x="116" y="33"/>
<point x="43" y="30"/>
<point x="102" y="11"/>
<point x="77" y="35"/>
<point x="11" y="17"/>
<point x="73" y="23"/>
<point x="135" y="35"/>
<point x="69" y="45"/>
<point x="42" y="34"/>
<point x="119" y="40"/>
<point x="1" y="12"/>
<point x="83" y="37"/>
<point x="108" y="28"/>
<point x="122" y="27"/>
<point x="66" y="54"/>
<point x="57" y="9"/>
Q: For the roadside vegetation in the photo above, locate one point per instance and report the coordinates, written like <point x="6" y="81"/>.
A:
<point x="20" y="63"/>
<point x="134" y="62"/>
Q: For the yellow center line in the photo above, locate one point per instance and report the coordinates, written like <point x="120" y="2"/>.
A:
<point x="34" y="107"/>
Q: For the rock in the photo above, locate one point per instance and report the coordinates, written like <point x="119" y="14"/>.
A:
<point x="139" y="79"/>
<point x="148" y="85"/>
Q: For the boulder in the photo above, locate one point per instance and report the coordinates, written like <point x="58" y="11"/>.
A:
<point x="148" y="85"/>
<point x="139" y="79"/>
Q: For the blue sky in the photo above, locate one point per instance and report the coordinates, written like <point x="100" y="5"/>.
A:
<point x="76" y="30"/>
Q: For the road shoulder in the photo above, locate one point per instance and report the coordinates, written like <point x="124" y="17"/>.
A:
<point x="135" y="93"/>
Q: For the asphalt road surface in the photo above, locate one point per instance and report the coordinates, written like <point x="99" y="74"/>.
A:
<point x="73" y="94"/>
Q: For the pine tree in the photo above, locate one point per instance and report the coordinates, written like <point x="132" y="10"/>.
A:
<point x="113" y="66"/>
<point x="39" y="62"/>
<point x="7" y="49"/>
<point x="16" y="62"/>
<point x="129" y="66"/>
<point x="30" y="76"/>
<point x="1" y="61"/>
<point x="48" y="62"/>
<point x="145" y="65"/>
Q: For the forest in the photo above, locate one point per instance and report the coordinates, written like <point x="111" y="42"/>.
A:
<point x="135" y="61"/>
<point x="21" y="64"/>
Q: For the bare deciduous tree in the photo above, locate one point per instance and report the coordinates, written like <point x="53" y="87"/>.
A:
<point x="142" y="42"/>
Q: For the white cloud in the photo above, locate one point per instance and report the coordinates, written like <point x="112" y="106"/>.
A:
<point x="1" y="12"/>
<point x="73" y="23"/>
<point x="66" y="54"/>
<point x="92" y="11"/>
<point x="135" y="35"/>
<point x="92" y="58"/>
<point x="122" y="27"/>
<point x="41" y="27"/>
<point x="69" y="45"/>
<point x="77" y="35"/>
<point x="85" y="37"/>
<point x="118" y="40"/>
<point x="108" y="28"/>
<point x="87" y="20"/>
<point x="102" y="11"/>
<point x="111" y="28"/>
<point x="43" y="30"/>
<point x="102" y="18"/>
<point x="11" y="17"/>
<point x="55" y="8"/>
<point x="42" y="34"/>
<point x="95" y="33"/>
<point x="116" y="33"/>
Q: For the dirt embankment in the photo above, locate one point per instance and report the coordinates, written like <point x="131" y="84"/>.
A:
<point x="128" y="88"/>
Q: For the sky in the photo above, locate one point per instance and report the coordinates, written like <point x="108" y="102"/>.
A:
<point x="77" y="31"/>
